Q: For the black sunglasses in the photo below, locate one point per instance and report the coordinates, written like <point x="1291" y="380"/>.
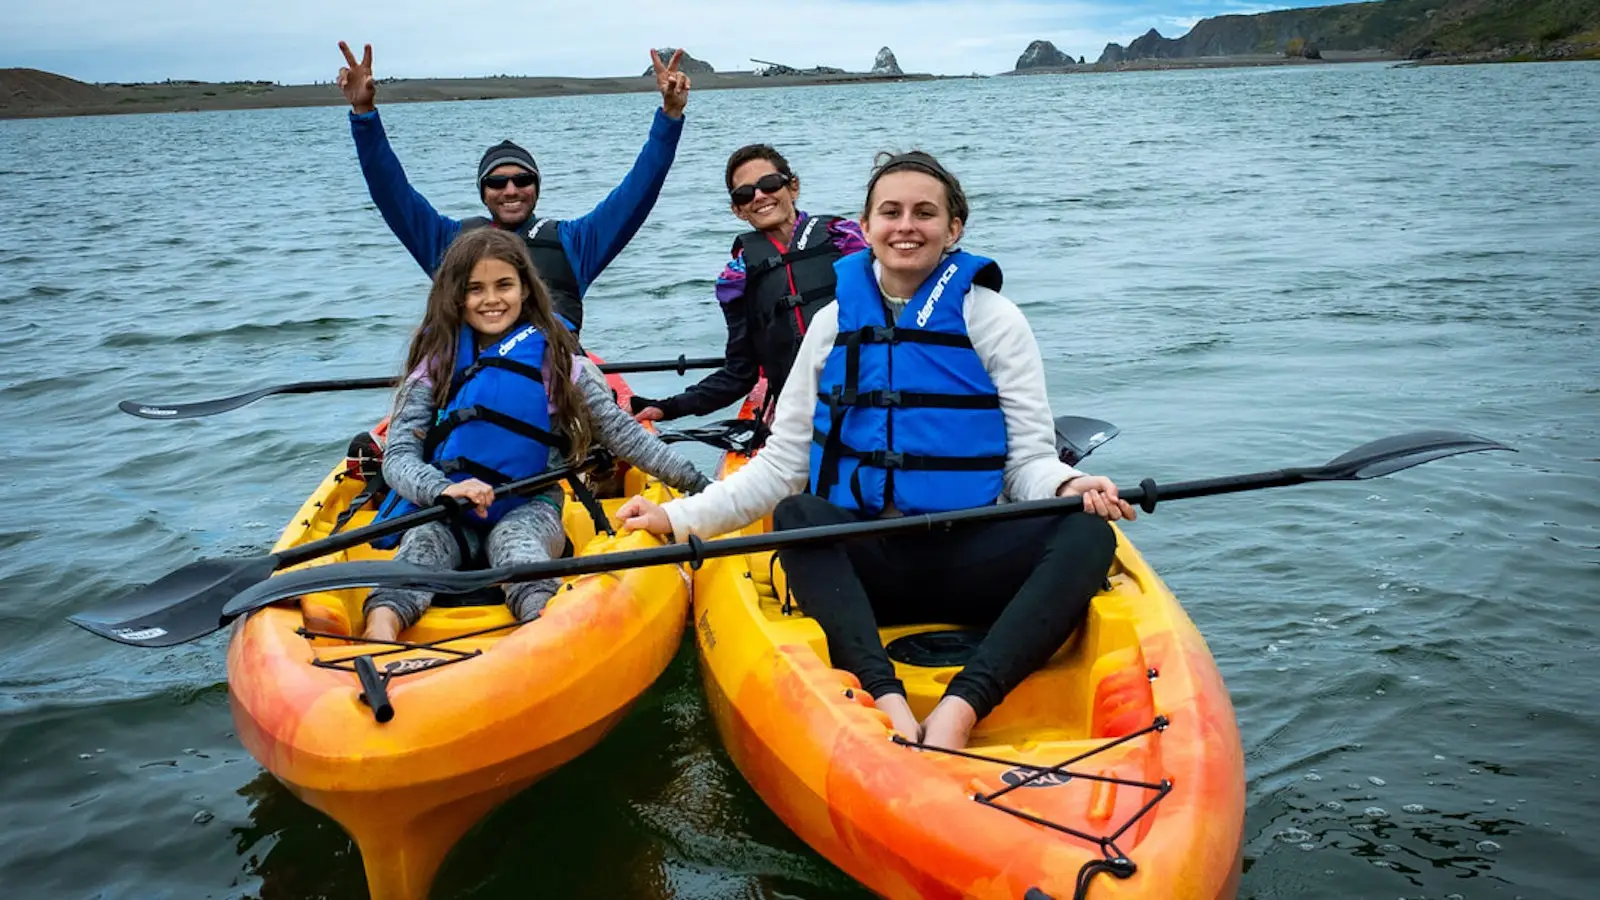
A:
<point x="770" y="183"/>
<point x="521" y="180"/>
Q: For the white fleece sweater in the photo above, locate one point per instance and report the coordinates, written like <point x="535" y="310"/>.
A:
<point x="1004" y="342"/>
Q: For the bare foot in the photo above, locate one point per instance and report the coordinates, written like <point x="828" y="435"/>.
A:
<point x="383" y="624"/>
<point x="900" y="715"/>
<point x="950" y="724"/>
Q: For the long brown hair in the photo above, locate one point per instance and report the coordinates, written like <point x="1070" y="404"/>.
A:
<point x="433" y="347"/>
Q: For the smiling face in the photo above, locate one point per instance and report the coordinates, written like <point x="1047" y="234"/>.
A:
<point x="510" y="205"/>
<point x="909" y="226"/>
<point x="493" y="301"/>
<point x="770" y="212"/>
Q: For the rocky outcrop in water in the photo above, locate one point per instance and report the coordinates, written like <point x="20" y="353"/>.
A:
<point x="886" y="64"/>
<point x="688" y="64"/>
<point x="1042" y="55"/>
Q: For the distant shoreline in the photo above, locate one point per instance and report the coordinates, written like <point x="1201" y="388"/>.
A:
<point x="69" y="98"/>
<point x="200" y="96"/>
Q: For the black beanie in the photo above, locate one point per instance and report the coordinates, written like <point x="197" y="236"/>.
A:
<point x="506" y="153"/>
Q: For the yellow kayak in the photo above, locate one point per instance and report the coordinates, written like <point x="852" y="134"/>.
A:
<point x="481" y="707"/>
<point x="1119" y="763"/>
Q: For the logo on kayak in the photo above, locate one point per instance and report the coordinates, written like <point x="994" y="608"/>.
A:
<point x="139" y="634"/>
<point x="1028" y="776"/>
<point x="414" y="664"/>
<point x="706" y="632"/>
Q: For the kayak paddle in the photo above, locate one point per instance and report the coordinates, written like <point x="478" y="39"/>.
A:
<point x="224" y="404"/>
<point x="187" y="603"/>
<point x="1372" y="460"/>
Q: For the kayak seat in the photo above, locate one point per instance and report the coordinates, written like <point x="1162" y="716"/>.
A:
<point x="936" y="649"/>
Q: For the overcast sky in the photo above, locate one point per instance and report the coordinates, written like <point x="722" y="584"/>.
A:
<point x="295" y="41"/>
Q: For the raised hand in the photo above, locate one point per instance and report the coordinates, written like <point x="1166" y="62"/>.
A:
<point x="673" y="85"/>
<point x="355" y="80"/>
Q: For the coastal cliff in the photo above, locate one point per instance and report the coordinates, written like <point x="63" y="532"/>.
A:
<point x="1533" y="29"/>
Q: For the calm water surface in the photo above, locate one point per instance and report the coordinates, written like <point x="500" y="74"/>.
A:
<point x="1242" y="269"/>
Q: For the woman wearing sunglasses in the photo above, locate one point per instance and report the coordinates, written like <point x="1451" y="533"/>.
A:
<point x="919" y="390"/>
<point x="780" y="275"/>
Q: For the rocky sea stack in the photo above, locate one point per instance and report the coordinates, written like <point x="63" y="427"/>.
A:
<point x="1043" y="55"/>
<point x="688" y="64"/>
<point x="886" y="64"/>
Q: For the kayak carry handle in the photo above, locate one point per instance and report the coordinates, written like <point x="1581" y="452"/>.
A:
<point x="374" y="688"/>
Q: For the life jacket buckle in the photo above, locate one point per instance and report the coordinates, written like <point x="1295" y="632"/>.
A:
<point x="889" y="399"/>
<point x="792" y="300"/>
<point x="882" y="335"/>
<point x="889" y="459"/>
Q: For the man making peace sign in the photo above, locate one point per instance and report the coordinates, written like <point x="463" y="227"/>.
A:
<point x="569" y="254"/>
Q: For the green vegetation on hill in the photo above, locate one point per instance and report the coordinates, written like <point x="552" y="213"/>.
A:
<point x="1456" y="27"/>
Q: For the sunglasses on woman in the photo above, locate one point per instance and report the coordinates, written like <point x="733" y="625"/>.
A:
<point x="521" y="180"/>
<point x="771" y="183"/>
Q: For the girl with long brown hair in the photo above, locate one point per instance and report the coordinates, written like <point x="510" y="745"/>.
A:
<point x="494" y="391"/>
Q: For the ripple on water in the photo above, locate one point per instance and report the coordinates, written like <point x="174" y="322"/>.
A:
<point x="1186" y="278"/>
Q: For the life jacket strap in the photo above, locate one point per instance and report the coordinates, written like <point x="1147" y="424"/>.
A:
<point x="466" y="414"/>
<point x="888" y="334"/>
<point x="513" y="366"/>
<point x="911" y="399"/>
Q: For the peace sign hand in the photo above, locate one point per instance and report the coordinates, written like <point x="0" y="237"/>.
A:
<point x="355" y="80"/>
<point x="673" y="85"/>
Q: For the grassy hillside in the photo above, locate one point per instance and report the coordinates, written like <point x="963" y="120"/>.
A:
<point x="1456" y="27"/>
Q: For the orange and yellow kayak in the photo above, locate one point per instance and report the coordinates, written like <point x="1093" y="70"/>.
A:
<point x="1150" y="801"/>
<point x="482" y="707"/>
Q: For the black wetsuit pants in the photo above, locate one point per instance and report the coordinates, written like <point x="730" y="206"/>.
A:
<point x="1027" y="581"/>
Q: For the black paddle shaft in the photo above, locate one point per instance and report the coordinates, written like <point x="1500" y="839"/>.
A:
<point x="1371" y="460"/>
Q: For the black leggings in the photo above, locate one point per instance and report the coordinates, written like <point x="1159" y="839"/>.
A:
<point x="1028" y="581"/>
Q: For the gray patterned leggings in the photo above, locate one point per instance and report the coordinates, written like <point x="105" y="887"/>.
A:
<point x="530" y="533"/>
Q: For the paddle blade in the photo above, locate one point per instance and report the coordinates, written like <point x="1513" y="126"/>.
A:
<point x="1077" y="437"/>
<point x="735" y="435"/>
<point x="154" y="411"/>
<point x="1388" y="455"/>
<point x="179" y="607"/>
<point x="365" y="574"/>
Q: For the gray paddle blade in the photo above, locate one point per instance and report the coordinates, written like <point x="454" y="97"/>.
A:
<point x="735" y="435"/>
<point x="365" y="574"/>
<point x="1388" y="455"/>
<point x="179" y="607"/>
<point x="1077" y="437"/>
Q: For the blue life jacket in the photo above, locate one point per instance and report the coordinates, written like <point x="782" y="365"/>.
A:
<point x="907" y="419"/>
<point x="495" y="424"/>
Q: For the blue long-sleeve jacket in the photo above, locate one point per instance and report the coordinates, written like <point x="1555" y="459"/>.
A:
<point x="591" y="240"/>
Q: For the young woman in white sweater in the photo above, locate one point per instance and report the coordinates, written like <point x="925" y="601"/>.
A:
<point x="946" y="409"/>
